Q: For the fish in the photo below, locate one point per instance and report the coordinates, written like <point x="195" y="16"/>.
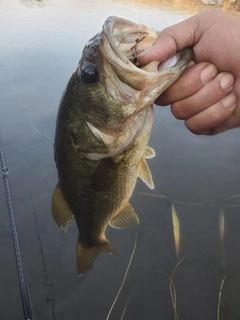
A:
<point x="103" y="127"/>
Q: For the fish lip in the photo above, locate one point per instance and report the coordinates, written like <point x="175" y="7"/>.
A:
<point x="108" y="30"/>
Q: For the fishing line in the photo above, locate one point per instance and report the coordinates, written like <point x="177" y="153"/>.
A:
<point x="30" y="118"/>
<point x="26" y="302"/>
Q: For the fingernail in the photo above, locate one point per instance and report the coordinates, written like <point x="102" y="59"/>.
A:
<point x="208" y="73"/>
<point x="227" y="81"/>
<point x="230" y="101"/>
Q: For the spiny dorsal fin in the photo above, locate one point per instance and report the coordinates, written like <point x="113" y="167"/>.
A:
<point x="61" y="212"/>
<point x="145" y="173"/>
<point x="149" y="153"/>
<point x="87" y="255"/>
<point x="125" y="218"/>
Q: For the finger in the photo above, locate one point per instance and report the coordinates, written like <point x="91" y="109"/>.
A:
<point x="191" y="81"/>
<point x="234" y="120"/>
<point x="207" y="120"/>
<point x="230" y="123"/>
<point x="169" y="41"/>
<point x="175" y="38"/>
<point x="208" y="95"/>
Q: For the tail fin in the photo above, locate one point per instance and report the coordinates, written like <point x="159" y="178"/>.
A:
<point x="87" y="255"/>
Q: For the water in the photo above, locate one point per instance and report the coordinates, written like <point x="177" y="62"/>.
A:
<point x="41" y="43"/>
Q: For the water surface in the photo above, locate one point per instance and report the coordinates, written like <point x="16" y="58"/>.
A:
<point x="41" y="43"/>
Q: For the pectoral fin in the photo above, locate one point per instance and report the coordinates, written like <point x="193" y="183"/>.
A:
<point x="61" y="212"/>
<point x="125" y="218"/>
<point x="145" y="174"/>
<point x="105" y="175"/>
<point x="149" y="153"/>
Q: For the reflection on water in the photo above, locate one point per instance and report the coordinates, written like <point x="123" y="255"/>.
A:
<point x="182" y="261"/>
<point x="187" y="6"/>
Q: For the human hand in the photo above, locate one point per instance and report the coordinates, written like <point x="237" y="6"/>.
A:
<point x="207" y="95"/>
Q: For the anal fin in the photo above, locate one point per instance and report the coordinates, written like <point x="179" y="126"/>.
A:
<point x="125" y="218"/>
<point x="61" y="212"/>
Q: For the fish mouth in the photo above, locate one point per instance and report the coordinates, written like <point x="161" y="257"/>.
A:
<point x="123" y="41"/>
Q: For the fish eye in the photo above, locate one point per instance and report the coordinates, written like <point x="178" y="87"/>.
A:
<point x="88" y="73"/>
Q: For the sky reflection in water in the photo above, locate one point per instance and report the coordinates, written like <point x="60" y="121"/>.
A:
<point x="41" y="45"/>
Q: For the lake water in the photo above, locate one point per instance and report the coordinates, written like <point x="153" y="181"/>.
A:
<point x="40" y="45"/>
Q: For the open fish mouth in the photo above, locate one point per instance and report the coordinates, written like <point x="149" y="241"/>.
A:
<point x="123" y="41"/>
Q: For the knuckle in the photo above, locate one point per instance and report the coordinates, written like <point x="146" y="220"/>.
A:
<point x="206" y="93"/>
<point x="189" y="87"/>
<point x="178" y="110"/>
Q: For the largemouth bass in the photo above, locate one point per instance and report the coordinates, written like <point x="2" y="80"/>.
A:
<point x="103" y="127"/>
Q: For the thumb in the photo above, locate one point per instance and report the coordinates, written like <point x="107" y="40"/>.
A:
<point x="173" y="39"/>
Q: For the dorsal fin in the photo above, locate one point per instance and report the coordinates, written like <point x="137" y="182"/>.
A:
<point x="125" y="218"/>
<point x="61" y="212"/>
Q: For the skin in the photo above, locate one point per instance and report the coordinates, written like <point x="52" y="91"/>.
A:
<point x="207" y="95"/>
